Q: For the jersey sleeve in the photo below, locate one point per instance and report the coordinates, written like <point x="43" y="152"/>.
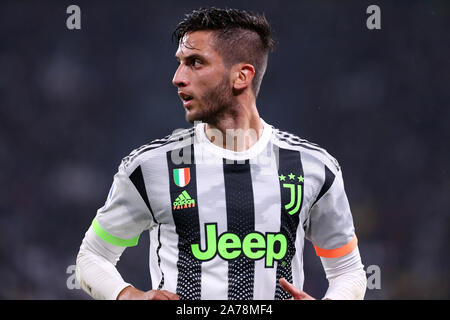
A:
<point x="330" y="224"/>
<point x="125" y="214"/>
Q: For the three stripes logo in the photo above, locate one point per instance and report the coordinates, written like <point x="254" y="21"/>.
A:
<point x="184" y="200"/>
<point x="295" y="188"/>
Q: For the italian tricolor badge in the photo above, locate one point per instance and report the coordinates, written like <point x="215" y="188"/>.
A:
<point x="181" y="176"/>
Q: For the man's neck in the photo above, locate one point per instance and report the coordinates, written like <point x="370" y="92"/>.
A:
<point x="238" y="131"/>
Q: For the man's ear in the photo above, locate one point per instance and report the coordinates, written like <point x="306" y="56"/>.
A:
<point x="244" y="74"/>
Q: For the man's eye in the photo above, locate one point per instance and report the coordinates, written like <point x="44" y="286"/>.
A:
<point x="196" y="62"/>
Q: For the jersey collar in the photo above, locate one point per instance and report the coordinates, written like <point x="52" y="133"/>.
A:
<point x="252" y="152"/>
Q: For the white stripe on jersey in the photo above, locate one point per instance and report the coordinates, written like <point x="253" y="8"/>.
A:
<point x="156" y="177"/>
<point x="212" y="209"/>
<point x="267" y="219"/>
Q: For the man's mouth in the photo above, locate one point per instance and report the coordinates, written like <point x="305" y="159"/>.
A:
<point x="185" y="98"/>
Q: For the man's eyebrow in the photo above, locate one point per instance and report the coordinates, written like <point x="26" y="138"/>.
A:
<point x="190" y="57"/>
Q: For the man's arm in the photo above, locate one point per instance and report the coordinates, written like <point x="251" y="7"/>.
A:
<point x="95" y="268"/>
<point x="329" y="226"/>
<point x="117" y="225"/>
<point x="346" y="277"/>
<point x="97" y="275"/>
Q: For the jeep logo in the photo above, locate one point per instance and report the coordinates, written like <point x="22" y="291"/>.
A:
<point x="229" y="246"/>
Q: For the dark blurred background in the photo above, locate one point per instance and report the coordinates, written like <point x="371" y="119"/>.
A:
<point x="73" y="103"/>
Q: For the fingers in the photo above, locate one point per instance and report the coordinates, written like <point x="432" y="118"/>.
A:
<point x="170" y="295"/>
<point x="296" y="293"/>
<point x="289" y="288"/>
<point x="162" y="295"/>
<point x="158" y="296"/>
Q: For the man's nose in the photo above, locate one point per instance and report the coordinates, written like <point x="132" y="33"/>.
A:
<point x="179" y="78"/>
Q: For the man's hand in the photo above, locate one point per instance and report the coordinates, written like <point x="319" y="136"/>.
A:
<point x="295" y="292"/>
<point x="131" y="293"/>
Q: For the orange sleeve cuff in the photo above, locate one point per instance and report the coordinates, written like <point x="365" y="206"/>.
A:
<point x="338" y="252"/>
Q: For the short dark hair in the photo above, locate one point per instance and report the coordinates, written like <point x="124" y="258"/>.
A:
<point x="240" y="36"/>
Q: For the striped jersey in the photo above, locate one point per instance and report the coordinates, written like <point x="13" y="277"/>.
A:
<point x="225" y="224"/>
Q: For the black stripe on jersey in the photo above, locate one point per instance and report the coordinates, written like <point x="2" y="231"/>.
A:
<point x="163" y="140"/>
<point x="296" y="141"/>
<point x="329" y="179"/>
<point x="294" y="138"/>
<point x="291" y="136"/>
<point x="289" y="163"/>
<point x="241" y="221"/>
<point x="138" y="180"/>
<point x="161" y="283"/>
<point x="187" y="226"/>
<point x="158" y="143"/>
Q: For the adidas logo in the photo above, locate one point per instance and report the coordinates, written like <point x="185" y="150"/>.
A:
<point x="184" y="200"/>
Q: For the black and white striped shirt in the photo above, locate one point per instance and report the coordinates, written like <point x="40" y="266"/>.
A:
<point x="224" y="224"/>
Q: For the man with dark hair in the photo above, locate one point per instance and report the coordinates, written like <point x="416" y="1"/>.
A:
<point x="228" y="202"/>
<point x="237" y="36"/>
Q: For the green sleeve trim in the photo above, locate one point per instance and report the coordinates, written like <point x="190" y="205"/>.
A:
<point x="111" y="239"/>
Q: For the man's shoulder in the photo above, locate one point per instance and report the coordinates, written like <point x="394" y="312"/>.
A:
<point x="177" y="139"/>
<point x="311" y="151"/>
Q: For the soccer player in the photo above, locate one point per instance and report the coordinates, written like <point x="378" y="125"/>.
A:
<point x="228" y="202"/>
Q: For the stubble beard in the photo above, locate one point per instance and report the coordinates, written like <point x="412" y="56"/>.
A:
<point x="215" y="104"/>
